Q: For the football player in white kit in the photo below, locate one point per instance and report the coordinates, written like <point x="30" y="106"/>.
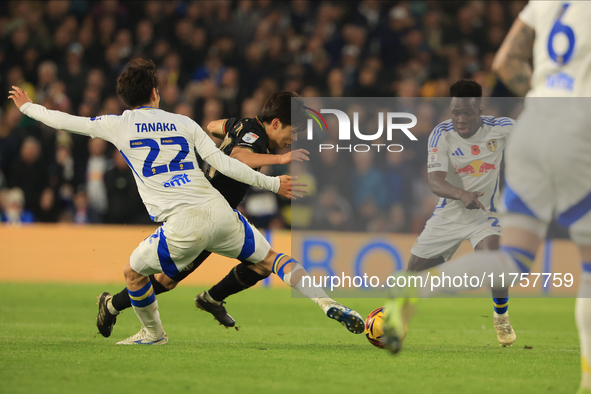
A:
<point x="464" y="162"/>
<point x="548" y="160"/>
<point x="160" y="148"/>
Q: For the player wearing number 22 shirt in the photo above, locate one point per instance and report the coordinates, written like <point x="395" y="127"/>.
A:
<point x="161" y="148"/>
<point x="248" y="140"/>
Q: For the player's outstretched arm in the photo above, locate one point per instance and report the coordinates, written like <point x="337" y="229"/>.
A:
<point x="256" y="160"/>
<point x="240" y="171"/>
<point x="511" y="62"/>
<point x="442" y="188"/>
<point x="289" y="189"/>
<point x="56" y="119"/>
<point x="216" y="128"/>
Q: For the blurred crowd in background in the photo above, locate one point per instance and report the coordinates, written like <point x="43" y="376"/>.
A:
<point x="219" y="59"/>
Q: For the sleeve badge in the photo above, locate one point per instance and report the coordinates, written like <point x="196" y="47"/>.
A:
<point x="250" y="138"/>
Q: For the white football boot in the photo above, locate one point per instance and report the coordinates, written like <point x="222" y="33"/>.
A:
<point x="350" y="319"/>
<point x="142" y="338"/>
<point x="505" y="334"/>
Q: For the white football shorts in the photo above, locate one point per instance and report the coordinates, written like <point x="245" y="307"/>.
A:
<point x="548" y="166"/>
<point x="442" y="237"/>
<point x="213" y="226"/>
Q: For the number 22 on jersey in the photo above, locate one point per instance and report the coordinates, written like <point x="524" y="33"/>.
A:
<point x="175" y="165"/>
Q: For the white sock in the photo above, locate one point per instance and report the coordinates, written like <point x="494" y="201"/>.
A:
<point x="583" y="319"/>
<point x="145" y="306"/>
<point x="316" y="294"/>
<point x="209" y="299"/>
<point x="111" y="308"/>
<point x="150" y="318"/>
<point x="293" y="278"/>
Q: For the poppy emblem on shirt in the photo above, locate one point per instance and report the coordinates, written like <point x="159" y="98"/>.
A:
<point x="491" y="145"/>
<point x="475" y="150"/>
<point x="250" y="138"/>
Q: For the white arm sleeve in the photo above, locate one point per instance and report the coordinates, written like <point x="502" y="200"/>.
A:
<point x="528" y="15"/>
<point x="93" y="127"/>
<point x="229" y="166"/>
<point x="438" y="159"/>
<point x="508" y="129"/>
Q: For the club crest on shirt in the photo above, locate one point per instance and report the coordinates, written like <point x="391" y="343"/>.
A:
<point x="250" y="138"/>
<point x="491" y="145"/>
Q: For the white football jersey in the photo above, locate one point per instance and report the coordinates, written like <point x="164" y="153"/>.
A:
<point x="562" y="47"/>
<point x="471" y="164"/>
<point x="159" y="147"/>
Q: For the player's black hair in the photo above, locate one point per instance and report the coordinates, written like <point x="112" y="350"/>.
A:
<point x="279" y="105"/>
<point x="465" y="88"/>
<point x="135" y="85"/>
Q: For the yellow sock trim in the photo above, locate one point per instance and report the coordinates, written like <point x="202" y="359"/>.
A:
<point x="585" y="368"/>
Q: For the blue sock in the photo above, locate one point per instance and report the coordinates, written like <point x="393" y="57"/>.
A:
<point x="281" y="262"/>
<point x="142" y="297"/>
<point x="501" y="305"/>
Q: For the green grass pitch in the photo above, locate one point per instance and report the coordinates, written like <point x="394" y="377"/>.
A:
<point x="48" y="344"/>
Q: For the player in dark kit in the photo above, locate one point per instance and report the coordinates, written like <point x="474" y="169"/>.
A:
<point x="249" y="141"/>
<point x="246" y="139"/>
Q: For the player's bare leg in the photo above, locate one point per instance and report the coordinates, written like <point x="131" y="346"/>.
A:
<point x="165" y="281"/>
<point x="416" y="263"/>
<point x="145" y="306"/>
<point x="505" y="333"/>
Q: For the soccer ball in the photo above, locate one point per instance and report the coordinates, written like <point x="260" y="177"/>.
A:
<point x="374" y="330"/>
<point x="374" y="327"/>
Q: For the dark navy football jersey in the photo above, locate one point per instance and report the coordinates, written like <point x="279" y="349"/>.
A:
<point x="243" y="132"/>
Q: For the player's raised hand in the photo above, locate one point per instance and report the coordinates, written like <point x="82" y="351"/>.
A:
<point x="19" y="96"/>
<point x="470" y="200"/>
<point x="290" y="189"/>
<point x="296" y="155"/>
